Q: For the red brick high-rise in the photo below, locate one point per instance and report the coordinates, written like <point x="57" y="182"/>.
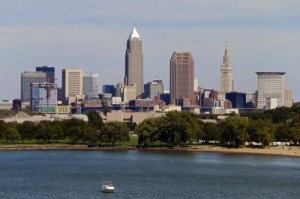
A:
<point x="181" y="77"/>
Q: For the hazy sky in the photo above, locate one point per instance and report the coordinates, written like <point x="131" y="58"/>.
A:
<point x="263" y="35"/>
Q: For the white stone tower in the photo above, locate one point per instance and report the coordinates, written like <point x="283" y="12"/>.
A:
<point x="226" y="73"/>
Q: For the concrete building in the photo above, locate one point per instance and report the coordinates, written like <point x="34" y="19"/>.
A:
<point x="43" y="97"/>
<point x="181" y="76"/>
<point x="6" y="104"/>
<point x="288" y="98"/>
<point x="208" y="97"/>
<point x="154" y="89"/>
<point x="270" y="85"/>
<point x="226" y="73"/>
<point x="128" y="93"/>
<point x="50" y="73"/>
<point x="134" y="62"/>
<point x="26" y="79"/>
<point x="134" y="117"/>
<point x="271" y="103"/>
<point x="196" y="84"/>
<point x="90" y="85"/>
<point x="72" y="85"/>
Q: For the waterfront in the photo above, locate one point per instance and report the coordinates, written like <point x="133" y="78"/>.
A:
<point x="137" y="174"/>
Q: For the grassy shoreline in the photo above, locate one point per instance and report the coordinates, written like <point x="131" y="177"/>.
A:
<point x="287" y="151"/>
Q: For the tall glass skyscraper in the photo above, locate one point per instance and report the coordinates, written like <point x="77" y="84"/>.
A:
<point x="134" y="62"/>
<point x="50" y="72"/>
<point x="27" y="78"/>
<point x="90" y="85"/>
<point x="43" y="97"/>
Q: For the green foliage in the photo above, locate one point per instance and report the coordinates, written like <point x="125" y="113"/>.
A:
<point x="234" y="131"/>
<point x="114" y="132"/>
<point x="95" y="120"/>
<point x="11" y="134"/>
<point x="261" y="131"/>
<point x="175" y="128"/>
<point x="211" y="131"/>
<point x="148" y="131"/>
<point x="27" y="130"/>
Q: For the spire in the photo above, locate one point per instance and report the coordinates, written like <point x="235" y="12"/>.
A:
<point x="226" y="57"/>
<point x="134" y="34"/>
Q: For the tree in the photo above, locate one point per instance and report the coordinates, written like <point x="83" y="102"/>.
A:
<point x="11" y="134"/>
<point x="261" y="131"/>
<point x="282" y="133"/>
<point x="3" y="127"/>
<point x="234" y="131"/>
<point x="73" y="129"/>
<point x="90" y="135"/>
<point x="147" y="131"/>
<point x="281" y="114"/>
<point x="211" y="132"/>
<point x="180" y="127"/>
<point x="114" y="132"/>
<point x="95" y="120"/>
<point x="27" y="130"/>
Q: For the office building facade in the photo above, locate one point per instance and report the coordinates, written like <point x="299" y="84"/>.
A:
<point x="226" y="73"/>
<point x="72" y="85"/>
<point x="181" y="77"/>
<point x="238" y="100"/>
<point x="43" y="97"/>
<point x="27" y="78"/>
<point x="109" y="89"/>
<point x="90" y="85"/>
<point x="270" y="85"/>
<point x="50" y="73"/>
<point x="134" y="62"/>
<point x="154" y="89"/>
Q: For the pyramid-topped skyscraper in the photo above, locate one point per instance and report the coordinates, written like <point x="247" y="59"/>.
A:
<point x="134" y="62"/>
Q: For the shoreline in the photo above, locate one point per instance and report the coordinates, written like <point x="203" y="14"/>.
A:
<point x="282" y="151"/>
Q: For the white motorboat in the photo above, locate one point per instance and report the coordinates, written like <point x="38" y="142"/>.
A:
<point x="107" y="187"/>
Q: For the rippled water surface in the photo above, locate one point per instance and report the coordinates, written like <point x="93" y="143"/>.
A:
<point x="153" y="175"/>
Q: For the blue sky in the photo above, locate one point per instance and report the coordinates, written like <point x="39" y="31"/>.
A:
<point x="92" y="34"/>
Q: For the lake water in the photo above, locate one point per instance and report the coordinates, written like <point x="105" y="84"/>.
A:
<point x="147" y="175"/>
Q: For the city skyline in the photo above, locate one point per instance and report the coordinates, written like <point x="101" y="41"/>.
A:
<point x="263" y="36"/>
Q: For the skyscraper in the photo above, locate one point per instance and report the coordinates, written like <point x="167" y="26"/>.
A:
<point x="154" y="89"/>
<point x="134" y="62"/>
<point x="50" y="72"/>
<point x="26" y="79"/>
<point x="226" y="73"/>
<point x="90" y="85"/>
<point x="181" y="76"/>
<point x="71" y="85"/>
<point x="270" y="85"/>
<point x="43" y="97"/>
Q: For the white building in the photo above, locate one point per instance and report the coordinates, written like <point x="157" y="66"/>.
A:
<point x="270" y="85"/>
<point x="288" y="98"/>
<point x="72" y="84"/>
<point x="226" y="73"/>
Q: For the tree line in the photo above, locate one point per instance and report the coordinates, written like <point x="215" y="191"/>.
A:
<point x="75" y="131"/>
<point x="172" y="129"/>
<point x="259" y="126"/>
